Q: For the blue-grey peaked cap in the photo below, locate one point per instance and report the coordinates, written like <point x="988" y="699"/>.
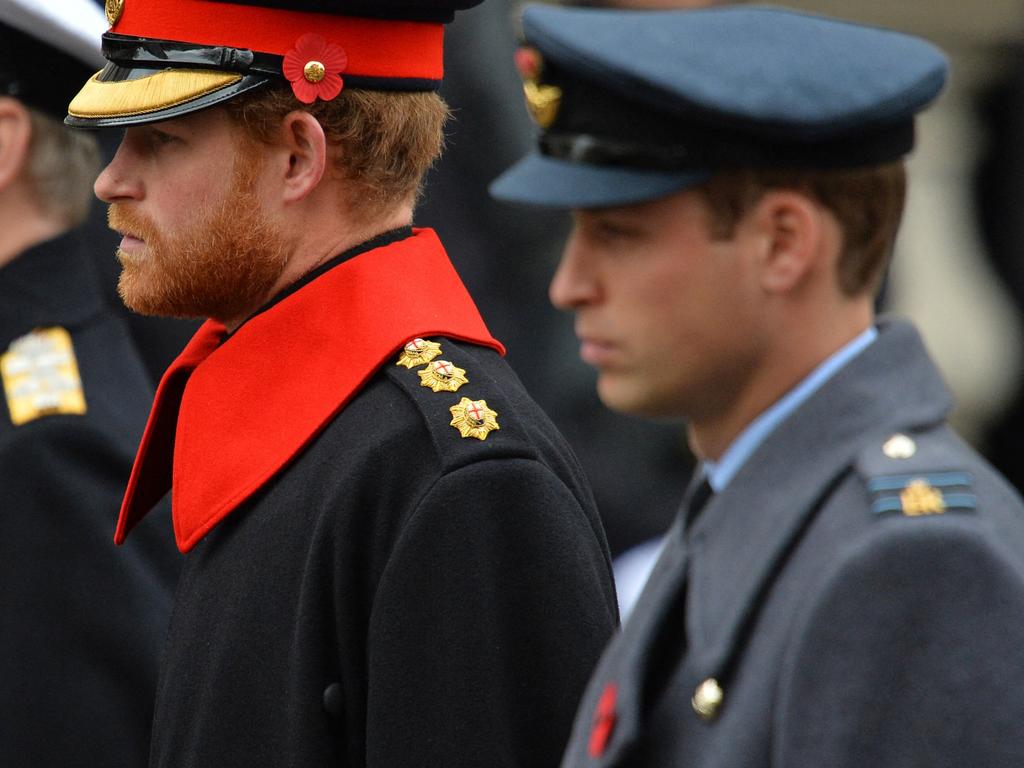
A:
<point x="652" y="102"/>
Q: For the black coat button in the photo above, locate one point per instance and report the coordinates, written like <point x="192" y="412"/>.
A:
<point x="334" y="700"/>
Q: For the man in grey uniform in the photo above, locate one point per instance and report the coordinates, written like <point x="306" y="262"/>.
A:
<point x="852" y="591"/>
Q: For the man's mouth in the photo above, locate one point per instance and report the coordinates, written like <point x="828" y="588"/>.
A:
<point x="596" y="351"/>
<point x="131" y="242"/>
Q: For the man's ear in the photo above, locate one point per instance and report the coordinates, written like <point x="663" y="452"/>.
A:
<point x="791" y="232"/>
<point x="15" y="139"/>
<point x="305" y="145"/>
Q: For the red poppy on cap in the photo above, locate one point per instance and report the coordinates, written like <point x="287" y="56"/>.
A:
<point x="314" y="68"/>
<point x="528" y="62"/>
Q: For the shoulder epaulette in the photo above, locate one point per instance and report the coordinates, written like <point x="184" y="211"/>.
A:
<point x="40" y="376"/>
<point x="463" y="406"/>
<point x="915" y="475"/>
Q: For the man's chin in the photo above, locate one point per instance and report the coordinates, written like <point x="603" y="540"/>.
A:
<point x="625" y="394"/>
<point x="129" y="258"/>
<point x="143" y="298"/>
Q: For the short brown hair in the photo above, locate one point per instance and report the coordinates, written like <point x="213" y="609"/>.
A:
<point x="62" y="166"/>
<point x="867" y="203"/>
<point x="384" y="141"/>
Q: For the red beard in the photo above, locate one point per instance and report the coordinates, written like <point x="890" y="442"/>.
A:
<point x="224" y="266"/>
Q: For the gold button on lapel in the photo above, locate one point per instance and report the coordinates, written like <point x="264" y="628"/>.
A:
<point x="899" y="447"/>
<point x="707" y="699"/>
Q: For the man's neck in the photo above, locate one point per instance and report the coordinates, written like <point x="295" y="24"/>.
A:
<point x="23" y="227"/>
<point x="315" y="246"/>
<point x="801" y="351"/>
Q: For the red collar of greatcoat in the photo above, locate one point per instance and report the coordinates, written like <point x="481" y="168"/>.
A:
<point x="229" y="415"/>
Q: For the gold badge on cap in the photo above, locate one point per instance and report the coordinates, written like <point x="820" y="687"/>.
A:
<point x="474" y="419"/>
<point x="542" y="101"/>
<point x="418" y="352"/>
<point x="922" y="498"/>
<point x="40" y="376"/>
<point x="442" y="376"/>
<point x="114" y="9"/>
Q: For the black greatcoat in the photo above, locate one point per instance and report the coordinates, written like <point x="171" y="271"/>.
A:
<point x="856" y="593"/>
<point x="81" y="622"/>
<point x="396" y="594"/>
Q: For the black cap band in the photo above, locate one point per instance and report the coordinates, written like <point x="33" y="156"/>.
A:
<point x="597" y="126"/>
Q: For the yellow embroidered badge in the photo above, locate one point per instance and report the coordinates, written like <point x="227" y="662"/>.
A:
<point x="473" y="418"/>
<point x="921" y="498"/>
<point x="442" y="376"/>
<point x="418" y="352"/>
<point x="40" y="376"/>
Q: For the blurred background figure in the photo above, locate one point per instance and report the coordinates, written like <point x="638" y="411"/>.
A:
<point x="81" y="621"/>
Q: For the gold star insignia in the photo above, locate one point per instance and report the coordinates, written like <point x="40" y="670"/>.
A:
<point x="418" y="352"/>
<point x="442" y="376"/>
<point x="40" y="376"/>
<point x="473" y="418"/>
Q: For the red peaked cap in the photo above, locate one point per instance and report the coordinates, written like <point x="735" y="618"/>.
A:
<point x="383" y="39"/>
<point x="169" y="58"/>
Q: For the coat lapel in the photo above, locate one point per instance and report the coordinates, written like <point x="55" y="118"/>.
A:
<point x="632" y="670"/>
<point x="230" y="415"/>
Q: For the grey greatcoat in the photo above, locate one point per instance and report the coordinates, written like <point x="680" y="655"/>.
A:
<point x="857" y="600"/>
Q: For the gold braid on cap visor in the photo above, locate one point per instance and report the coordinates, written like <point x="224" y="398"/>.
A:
<point x="163" y="89"/>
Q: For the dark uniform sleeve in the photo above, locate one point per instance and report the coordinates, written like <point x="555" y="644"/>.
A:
<point x="911" y="655"/>
<point x="81" y="621"/>
<point x="490" y="615"/>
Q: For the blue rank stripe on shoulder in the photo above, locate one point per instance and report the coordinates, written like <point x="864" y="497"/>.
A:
<point x="926" y="493"/>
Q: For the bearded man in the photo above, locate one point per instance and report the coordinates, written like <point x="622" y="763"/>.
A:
<point x="392" y="557"/>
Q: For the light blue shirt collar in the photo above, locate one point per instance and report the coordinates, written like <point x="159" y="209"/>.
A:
<point x="720" y="473"/>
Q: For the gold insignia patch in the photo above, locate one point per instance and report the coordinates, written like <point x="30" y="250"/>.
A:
<point x="442" y="376"/>
<point x="921" y="498"/>
<point x="474" y="419"/>
<point x="542" y="101"/>
<point x="113" y="9"/>
<point x="40" y="376"/>
<point x="418" y="352"/>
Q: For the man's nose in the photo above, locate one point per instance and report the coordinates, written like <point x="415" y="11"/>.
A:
<point x="575" y="283"/>
<point x="116" y="182"/>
